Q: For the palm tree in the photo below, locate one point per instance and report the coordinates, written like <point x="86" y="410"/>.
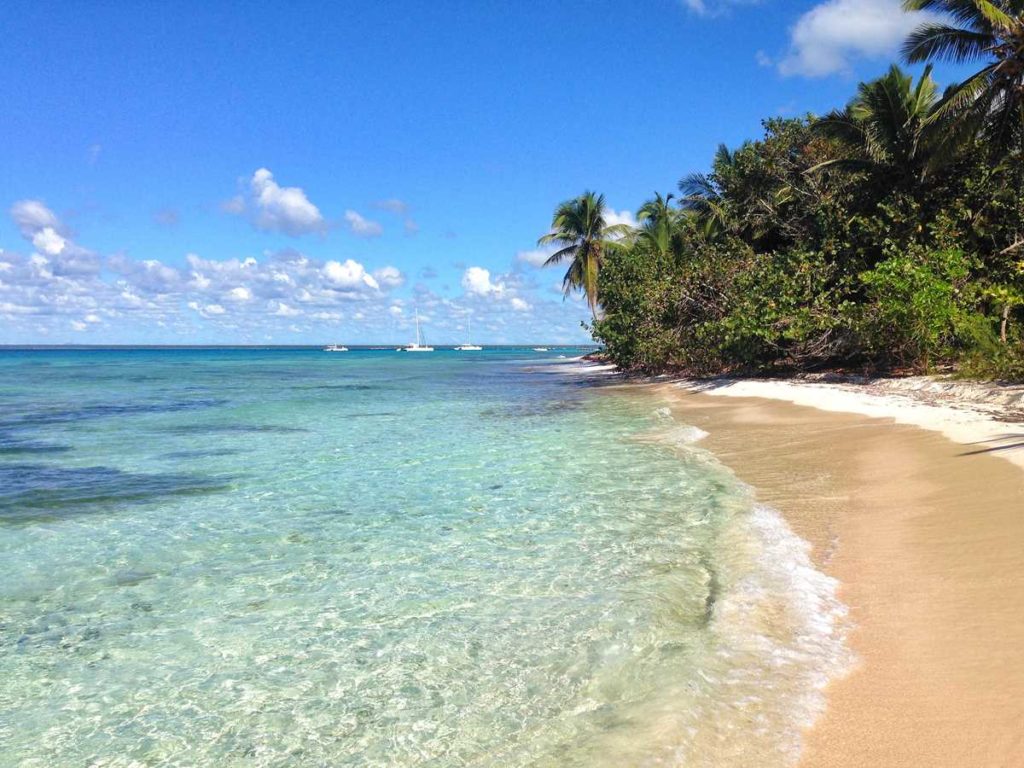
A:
<point x="659" y="230"/>
<point x="703" y="194"/>
<point x="891" y="126"/>
<point x="992" y="31"/>
<point x="580" y="227"/>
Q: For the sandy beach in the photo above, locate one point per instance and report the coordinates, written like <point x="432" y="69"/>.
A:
<point x="926" y="536"/>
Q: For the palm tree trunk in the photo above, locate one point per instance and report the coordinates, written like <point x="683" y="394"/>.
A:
<point x="1004" y="323"/>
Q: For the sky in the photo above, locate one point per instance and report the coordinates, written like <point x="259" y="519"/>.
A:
<point x="289" y="173"/>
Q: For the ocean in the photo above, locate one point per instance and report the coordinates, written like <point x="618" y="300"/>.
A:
<point x="283" y="557"/>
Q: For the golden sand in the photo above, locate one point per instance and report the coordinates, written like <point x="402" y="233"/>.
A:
<point x="927" y="539"/>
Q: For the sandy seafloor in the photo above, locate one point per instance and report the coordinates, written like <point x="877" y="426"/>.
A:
<point x="922" y="522"/>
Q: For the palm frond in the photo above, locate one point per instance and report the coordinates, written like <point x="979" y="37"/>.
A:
<point x="942" y="41"/>
<point x="965" y="12"/>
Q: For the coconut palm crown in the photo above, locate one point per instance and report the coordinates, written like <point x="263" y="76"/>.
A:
<point x="891" y="126"/>
<point x="989" y="31"/>
<point x="580" y="226"/>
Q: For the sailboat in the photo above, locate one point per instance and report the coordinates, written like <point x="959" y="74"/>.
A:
<point x="468" y="346"/>
<point x="417" y="346"/>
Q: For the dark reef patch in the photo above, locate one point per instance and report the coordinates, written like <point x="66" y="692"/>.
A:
<point x="242" y="429"/>
<point x="201" y="453"/>
<point x="43" y="417"/>
<point x="40" y="492"/>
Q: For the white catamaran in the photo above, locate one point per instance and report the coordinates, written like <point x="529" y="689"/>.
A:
<point x="468" y="346"/>
<point x="335" y="348"/>
<point x="417" y="346"/>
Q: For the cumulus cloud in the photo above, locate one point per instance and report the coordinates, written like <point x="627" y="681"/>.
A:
<point x="58" y="254"/>
<point x="49" y="242"/>
<point x="362" y="227"/>
<point x="389" y="277"/>
<point x="206" y="310"/>
<point x="239" y="293"/>
<point x="613" y="217"/>
<point x="349" y="274"/>
<point x="477" y="281"/>
<point x="32" y="216"/>
<point x="829" y="37"/>
<point x="283" y="310"/>
<point x="282" y="295"/>
<point x="277" y="209"/>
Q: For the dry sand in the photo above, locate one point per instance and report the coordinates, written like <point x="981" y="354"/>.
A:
<point x="927" y="538"/>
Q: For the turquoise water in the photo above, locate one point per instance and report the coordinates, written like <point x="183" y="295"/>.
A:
<point x="291" y="558"/>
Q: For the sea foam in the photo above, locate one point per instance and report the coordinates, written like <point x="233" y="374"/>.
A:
<point x="777" y="634"/>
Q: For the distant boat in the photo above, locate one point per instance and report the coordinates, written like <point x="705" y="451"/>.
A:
<point x="417" y="346"/>
<point x="541" y="349"/>
<point x="468" y="346"/>
<point x="335" y="348"/>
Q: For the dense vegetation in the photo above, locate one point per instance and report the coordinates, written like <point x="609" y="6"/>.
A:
<point x="885" y="236"/>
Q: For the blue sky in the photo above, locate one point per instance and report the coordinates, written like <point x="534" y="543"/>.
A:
<point x="314" y="172"/>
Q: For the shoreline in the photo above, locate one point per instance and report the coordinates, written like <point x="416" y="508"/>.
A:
<point x="923" y="536"/>
<point x="987" y="417"/>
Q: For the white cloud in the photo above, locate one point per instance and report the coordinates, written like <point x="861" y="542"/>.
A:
<point x="477" y="281"/>
<point x="51" y="291"/>
<point x="613" y="217"/>
<point x="362" y="227"/>
<point x="32" y="216"/>
<point x="240" y="293"/>
<point x="389" y="277"/>
<point x="331" y="317"/>
<point x="349" y="274"/>
<point x="49" y="242"/>
<point x="829" y="37"/>
<point x="535" y="258"/>
<point x="206" y="310"/>
<point x="280" y="209"/>
<point x="41" y="227"/>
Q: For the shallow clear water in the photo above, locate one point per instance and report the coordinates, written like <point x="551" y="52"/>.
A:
<point x="263" y="558"/>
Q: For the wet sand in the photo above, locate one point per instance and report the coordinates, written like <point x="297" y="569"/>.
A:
<point x="927" y="538"/>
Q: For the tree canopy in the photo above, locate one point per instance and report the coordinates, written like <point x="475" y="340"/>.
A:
<point x="886" y="235"/>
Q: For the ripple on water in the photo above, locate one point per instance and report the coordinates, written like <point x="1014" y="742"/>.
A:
<point x="516" y="572"/>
